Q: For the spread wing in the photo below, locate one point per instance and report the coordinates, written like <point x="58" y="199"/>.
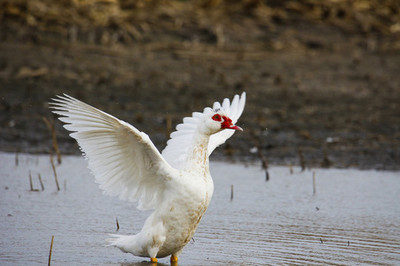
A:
<point x="176" y="151"/>
<point x="123" y="159"/>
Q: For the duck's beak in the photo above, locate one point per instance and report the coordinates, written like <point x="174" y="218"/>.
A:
<point x="235" y="127"/>
<point x="227" y="124"/>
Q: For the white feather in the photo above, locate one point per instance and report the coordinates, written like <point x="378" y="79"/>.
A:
<point x="175" y="153"/>
<point x="123" y="160"/>
<point x="126" y="164"/>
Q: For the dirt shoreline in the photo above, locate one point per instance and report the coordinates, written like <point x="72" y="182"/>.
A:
<point x="317" y="91"/>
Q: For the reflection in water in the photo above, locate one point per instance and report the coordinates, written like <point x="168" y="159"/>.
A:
<point x="353" y="218"/>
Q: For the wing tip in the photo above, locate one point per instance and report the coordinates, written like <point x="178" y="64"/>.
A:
<point x="60" y="101"/>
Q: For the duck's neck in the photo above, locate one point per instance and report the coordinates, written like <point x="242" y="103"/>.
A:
<point x="198" y="154"/>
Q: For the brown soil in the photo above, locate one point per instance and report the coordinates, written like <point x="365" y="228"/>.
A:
<point x="322" y="77"/>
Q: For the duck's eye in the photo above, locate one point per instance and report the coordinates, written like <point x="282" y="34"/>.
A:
<point x="216" y="117"/>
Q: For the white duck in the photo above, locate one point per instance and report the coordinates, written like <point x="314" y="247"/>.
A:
<point x="176" y="183"/>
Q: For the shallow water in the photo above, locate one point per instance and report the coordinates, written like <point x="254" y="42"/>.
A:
<point x="354" y="217"/>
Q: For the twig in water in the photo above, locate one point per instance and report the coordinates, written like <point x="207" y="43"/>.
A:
<point x="116" y="220"/>
<point x="264" y="162"/>
<point x="302" y="161"/>
<point x="326" y="163"/>
<point x="313" y="183"/>
<point x="231" y="192"/>
<point x="51" y="249"/>
<point x="257" y="143"/>
<point x="31" y="183"/>
<point x="54" y="171"/>
<point x="50" y="125"/>
<point x="41" y="183"/>
<point x="291" y="169"/>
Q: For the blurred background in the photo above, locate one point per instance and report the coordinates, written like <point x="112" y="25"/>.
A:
<point x="322" y="77"/>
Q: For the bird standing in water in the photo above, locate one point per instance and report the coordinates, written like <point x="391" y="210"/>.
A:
<point x="176" y="183"/>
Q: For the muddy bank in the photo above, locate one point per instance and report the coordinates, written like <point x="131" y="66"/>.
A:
<point x="325" y="89"/>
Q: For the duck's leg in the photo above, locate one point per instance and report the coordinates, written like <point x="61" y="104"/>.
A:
<point x="174" y="258"/>
<point x="154" y="236"/>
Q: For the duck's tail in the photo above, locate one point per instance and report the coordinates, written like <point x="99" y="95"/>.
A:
<point x="113" y="240"/>
<point x="123" y="242"/>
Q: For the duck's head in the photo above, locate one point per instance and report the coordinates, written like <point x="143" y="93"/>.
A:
<point x="216" y="120"/>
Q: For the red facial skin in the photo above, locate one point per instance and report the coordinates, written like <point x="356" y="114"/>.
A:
<point x="227" y="123"/>
<point x="217" y="117"/>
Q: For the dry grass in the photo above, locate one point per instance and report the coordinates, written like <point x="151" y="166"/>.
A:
<point x="219" y="21"/>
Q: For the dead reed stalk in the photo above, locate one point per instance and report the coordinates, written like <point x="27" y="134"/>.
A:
<point x="31" y="183"/>
<point x="50" y="125"/>
<point x="51" y="249"/>
<point x="264" y="162"/>
<point x="313" y="181"/>
<point x="257" y="143"/>
<point x="16" y="158"/>
<point x="54" y="171"/>
<point x="302" y="161"/>
<point x="41" y="182"/>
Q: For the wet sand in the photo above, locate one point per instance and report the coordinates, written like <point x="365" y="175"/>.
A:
<point x="352" y="218"/>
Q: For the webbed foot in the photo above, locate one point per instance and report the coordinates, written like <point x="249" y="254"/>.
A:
<point x="174" y="258"/>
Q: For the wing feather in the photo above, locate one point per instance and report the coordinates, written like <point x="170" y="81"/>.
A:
<point x="123" y="159"/>
<point x="217" y="105"/>
<point x="234" y="111"/>
<point x="175" y="152"/>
